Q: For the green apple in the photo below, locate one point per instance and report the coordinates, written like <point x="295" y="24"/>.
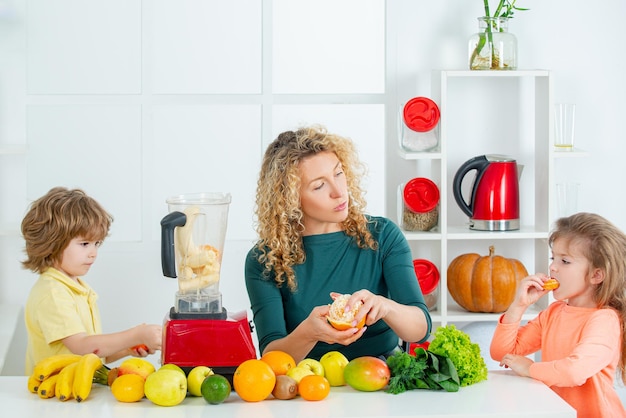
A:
<point x="166" y="387"/>
<point x="195" y="378"/>
<point x="172" y="366"/>
<point x="334" y="362"/>
<point x="313" y="365"/>
<point x="298" y="372"/>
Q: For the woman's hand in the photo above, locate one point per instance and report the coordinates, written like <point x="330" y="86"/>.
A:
<point x="374" y="307"/>
<point x="408" y="322"/>
<point x="323" y="331"/>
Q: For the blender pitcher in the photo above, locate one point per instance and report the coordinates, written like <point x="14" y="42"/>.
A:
<point x="192" y="242"/>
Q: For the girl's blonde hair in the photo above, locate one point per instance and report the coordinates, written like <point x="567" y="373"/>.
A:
<point x="55" y="219"/>
<point x="278" y="211"/>
<point x="604" y="245"/>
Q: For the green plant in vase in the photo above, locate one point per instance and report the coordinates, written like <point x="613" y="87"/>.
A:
<point x="493" y="48"/>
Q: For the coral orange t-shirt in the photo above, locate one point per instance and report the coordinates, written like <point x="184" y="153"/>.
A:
<point x="580" y="350"/>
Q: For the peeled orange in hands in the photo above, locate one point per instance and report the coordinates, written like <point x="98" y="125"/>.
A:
<point x="339" y="318"/>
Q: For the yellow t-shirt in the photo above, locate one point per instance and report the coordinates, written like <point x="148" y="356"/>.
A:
<point x="58" y="307"/>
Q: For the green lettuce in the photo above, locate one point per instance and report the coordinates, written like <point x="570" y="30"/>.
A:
<point x="456" y="345"/>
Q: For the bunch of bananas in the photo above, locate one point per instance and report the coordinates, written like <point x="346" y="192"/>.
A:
<point x="67" y="376"/>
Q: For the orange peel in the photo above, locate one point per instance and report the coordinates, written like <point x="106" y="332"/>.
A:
<point x="551" y="284"/>
<point x="341" y="319"/>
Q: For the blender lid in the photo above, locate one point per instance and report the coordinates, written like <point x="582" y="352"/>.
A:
<point x="205" y="198"/>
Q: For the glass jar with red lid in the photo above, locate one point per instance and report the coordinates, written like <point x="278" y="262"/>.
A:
<point x="420" y="204"/>
<point x="419" y="125"/>
<point x="428" y="279"/>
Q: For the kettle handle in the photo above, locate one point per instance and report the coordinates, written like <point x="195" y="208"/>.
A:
<point x="168" y="223"/>
<point x="479" y="164"/>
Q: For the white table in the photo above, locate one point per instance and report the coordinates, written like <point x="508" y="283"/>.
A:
<point x="503" y="395"/>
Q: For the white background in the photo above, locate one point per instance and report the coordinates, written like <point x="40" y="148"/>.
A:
<point x="136" y="101"/>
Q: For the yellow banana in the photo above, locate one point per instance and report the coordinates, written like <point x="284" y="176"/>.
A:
<point x="84" y="376"/>
<point x="64" y="387"/>
<point x="33" y="383"/>
<point x="53" y="364"/>
<point x="46" y="388"/>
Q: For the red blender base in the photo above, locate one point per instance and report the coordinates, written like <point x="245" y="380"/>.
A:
<point x="221" y="344"/>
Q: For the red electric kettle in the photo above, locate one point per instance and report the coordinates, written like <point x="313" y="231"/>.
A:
<point x="494" y="200"/>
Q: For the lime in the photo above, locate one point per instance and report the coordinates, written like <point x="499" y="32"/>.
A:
<point x="215" y="389"/>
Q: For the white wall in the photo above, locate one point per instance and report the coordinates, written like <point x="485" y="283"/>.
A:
<point x="135" y="101"/>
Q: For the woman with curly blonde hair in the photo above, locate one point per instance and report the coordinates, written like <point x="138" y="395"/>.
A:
<point x="316" y="242"/>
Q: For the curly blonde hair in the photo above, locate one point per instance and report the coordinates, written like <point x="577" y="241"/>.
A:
<point x="55" y="219"/>
<point x="278" y="211"/>
<point x="604" y="245"/>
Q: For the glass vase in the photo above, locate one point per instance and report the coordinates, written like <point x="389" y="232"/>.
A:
<point x="493" y="47"/>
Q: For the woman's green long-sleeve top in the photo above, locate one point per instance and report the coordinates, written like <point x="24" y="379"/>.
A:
<point x="334" y="263"/>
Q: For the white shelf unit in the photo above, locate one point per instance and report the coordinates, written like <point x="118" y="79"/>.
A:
<point x="489" y="112"/>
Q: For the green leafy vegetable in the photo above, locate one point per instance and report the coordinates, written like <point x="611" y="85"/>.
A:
<point x="424" y="371"/>
<point x="457" y="346"/>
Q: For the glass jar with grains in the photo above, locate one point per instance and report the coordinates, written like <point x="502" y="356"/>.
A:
<point x="420" y="205"/>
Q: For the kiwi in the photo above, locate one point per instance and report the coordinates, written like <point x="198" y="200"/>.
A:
<point x="285" y="388"/>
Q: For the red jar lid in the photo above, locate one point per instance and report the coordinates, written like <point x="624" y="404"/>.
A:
<point x="421" y="195"/>
<point x="427" y="275"/>
<point x="421" y="114"/>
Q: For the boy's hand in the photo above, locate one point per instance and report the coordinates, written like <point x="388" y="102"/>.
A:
<point x="140" y="350"/>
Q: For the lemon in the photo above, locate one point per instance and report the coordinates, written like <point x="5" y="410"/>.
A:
<point x="215" y="389"/>
<point x="128" y="388"/>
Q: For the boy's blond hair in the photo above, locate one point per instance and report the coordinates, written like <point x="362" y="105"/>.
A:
<point x="55" y="219"/>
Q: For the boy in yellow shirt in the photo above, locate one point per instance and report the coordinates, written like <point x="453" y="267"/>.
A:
<point x="63" y="231"/>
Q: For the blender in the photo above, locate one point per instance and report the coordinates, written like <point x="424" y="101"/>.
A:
<point x="198" y="330"/>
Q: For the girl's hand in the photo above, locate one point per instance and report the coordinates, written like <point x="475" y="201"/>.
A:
<point x="530" y="289"/>
<point x="519" y="364"/>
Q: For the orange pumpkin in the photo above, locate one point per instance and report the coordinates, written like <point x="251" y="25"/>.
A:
<point x="484" y="284"/>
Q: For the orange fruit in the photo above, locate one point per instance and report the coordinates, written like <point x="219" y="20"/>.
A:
<point x="254" y="380"/>
<point x="128" y="388"/>
<point x="551" y="284"/>
<point x="279" y="361"/>
<point x="314" y="387"/>
<point x="339" y="318"/>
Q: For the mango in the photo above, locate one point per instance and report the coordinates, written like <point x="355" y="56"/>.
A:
<point x="367" y="373"/>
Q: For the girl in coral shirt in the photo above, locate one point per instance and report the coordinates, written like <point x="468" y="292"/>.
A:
<point x="581" y="334"/>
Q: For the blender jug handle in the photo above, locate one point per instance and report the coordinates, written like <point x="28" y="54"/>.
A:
<point x="168" y="223"/>
<point x="479" y="164"/>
